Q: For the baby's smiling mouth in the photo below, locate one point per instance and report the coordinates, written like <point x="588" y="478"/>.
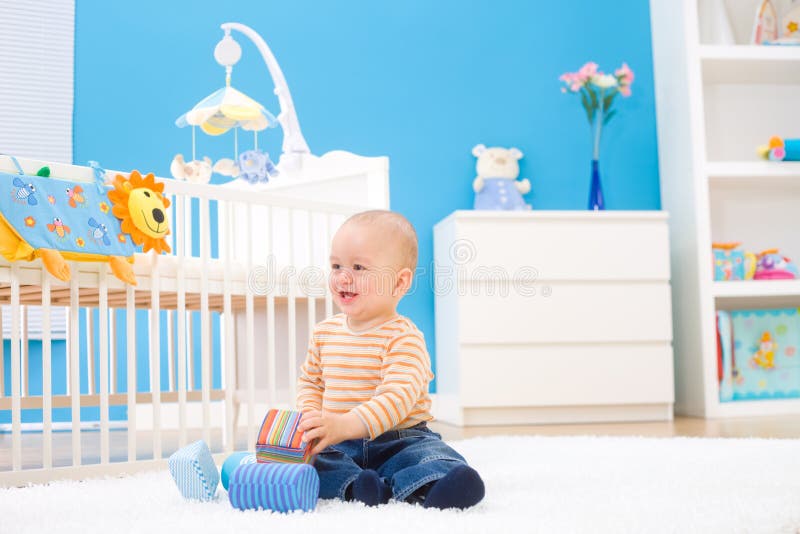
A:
<point x="347" y="296"/>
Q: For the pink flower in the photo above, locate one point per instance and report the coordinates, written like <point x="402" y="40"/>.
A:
<point x="625" y="74"/>
<point x="588" y="70"/>
<point x="572" y="80"/>
<point x="624" y="90"/>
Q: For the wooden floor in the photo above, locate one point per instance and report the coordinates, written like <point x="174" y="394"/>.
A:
<point x="784" y="427"/>
<point x="781" y="427"/>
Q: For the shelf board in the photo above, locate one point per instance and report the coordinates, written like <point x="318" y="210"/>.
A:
<point x="752" y="64"/>
<point x="756" y="288"/>
<point x="757" y="408"/>
<point x="754" y="173"/>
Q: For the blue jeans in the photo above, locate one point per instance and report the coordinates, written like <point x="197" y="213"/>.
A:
<point x="405" y="459"/>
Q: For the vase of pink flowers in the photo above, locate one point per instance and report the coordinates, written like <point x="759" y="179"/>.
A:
<point x="598" y="92"/>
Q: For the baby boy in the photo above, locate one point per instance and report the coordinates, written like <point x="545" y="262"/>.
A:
<point x="363" y="388"/>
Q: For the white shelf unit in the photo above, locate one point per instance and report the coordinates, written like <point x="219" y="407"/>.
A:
<point x="747" y="64"/>
<point x="756" y="289"/>
<point x="715" y="104"/>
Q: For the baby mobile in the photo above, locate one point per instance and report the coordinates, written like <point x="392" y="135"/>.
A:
<point x="221" y="111"/>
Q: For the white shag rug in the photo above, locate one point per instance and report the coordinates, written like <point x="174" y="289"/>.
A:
<point x="533" y="484"/>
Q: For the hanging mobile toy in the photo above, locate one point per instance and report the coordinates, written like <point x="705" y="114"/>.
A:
<point x="221" y="111"/>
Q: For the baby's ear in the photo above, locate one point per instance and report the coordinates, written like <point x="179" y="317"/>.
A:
<point x="405" y="277"/>
<point x="515" y="153"/>
<point x="477" y="150"/>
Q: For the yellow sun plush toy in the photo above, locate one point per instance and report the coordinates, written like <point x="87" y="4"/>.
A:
<point x="141" y="207"/>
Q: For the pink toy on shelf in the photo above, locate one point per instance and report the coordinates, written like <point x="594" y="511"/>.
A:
<point x="774" y="266"/>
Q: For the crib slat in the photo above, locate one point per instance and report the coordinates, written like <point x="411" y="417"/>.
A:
<point x="326" y="259"/>
<point x="309" y="239"/>
<point x="130" y="332"/>
<point x="250" y="366"/>
<point x="103" y="364"/>
<point x="187" y="227"/>
<point x="170" y="352"/>
<point x="112" y="342"/>
<point x="272" y="363"/>
<point x="181" y="316"/>
<point x="155" y="354"/>
<point x="190" y="345"/>
<point x="250" y="334"/>
<point x="25" y="352"/>
<point x="312" y="314"/>
<point x="16" y="406"/>
<point x="47" y="384"/>
<point x="228" y="348"/>
<point x="291" y="318"/>
<point x="74" y="365"/>
<point x="90" y="351"/>
<point x="311" y="302"/>
<point x="205" y="319"/>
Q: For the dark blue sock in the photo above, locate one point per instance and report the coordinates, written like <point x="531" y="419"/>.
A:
<point x="462" y="487"/>
<point x="370" y="489"/>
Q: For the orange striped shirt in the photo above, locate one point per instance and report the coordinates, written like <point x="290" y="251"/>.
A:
<point x="382" y="374"/>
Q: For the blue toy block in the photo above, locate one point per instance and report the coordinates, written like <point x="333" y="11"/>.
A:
<point x="194" y="471"/>
<point x="274" y="486"/>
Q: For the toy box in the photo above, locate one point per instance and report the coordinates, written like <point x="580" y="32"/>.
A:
<point x="731" y="263"/>
<point x="759" y="354"/>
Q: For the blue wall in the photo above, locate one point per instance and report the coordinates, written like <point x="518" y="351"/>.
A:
<point x="420" y="81"/>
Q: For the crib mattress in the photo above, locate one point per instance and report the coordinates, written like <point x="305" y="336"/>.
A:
<point x="237" y="278"/>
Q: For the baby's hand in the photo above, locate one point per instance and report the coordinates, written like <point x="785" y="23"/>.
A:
<point x="322" y="430"/>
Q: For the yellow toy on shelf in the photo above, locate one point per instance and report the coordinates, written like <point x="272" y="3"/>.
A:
<point x="764" y="357"/>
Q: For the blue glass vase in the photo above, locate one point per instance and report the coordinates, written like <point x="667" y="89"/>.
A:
<point x="596" y="202"/>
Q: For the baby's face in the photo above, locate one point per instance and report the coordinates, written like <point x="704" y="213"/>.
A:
<point x="364" y="275"/>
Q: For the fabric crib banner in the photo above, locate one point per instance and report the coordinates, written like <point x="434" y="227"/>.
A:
<point x="759" y="351"/>
<point x="58" y="220"/>
<point x="279" y="439"/>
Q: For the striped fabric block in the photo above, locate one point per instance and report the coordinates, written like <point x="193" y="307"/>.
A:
<point x="232" y="462"/>
<point x="194" y="471"/>
<point x="279" y="440"/>
<point x="277" y="487"/>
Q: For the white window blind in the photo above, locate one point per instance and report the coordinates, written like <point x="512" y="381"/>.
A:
<point x="36" y="78"/>
<point x="36" y="99"/>
<point x="58" y="322"/>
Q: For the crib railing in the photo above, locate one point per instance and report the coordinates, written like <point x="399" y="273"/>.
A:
<point x="254" y="292"/>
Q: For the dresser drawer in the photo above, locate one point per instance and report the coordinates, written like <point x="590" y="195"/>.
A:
<point x="577" y="312"/>
<point x="565" y="374"/>
<point x="583" y="246"/>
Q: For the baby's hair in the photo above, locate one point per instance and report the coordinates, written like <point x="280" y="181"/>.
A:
<point x="398" y="226"/>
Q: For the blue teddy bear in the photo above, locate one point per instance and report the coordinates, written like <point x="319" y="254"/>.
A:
<point x="496" y="186"/>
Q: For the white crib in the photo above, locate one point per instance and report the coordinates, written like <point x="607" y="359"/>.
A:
<point x="265" y="287"/>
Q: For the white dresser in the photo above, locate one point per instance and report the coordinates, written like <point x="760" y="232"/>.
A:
<point x="553" y="316"/>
